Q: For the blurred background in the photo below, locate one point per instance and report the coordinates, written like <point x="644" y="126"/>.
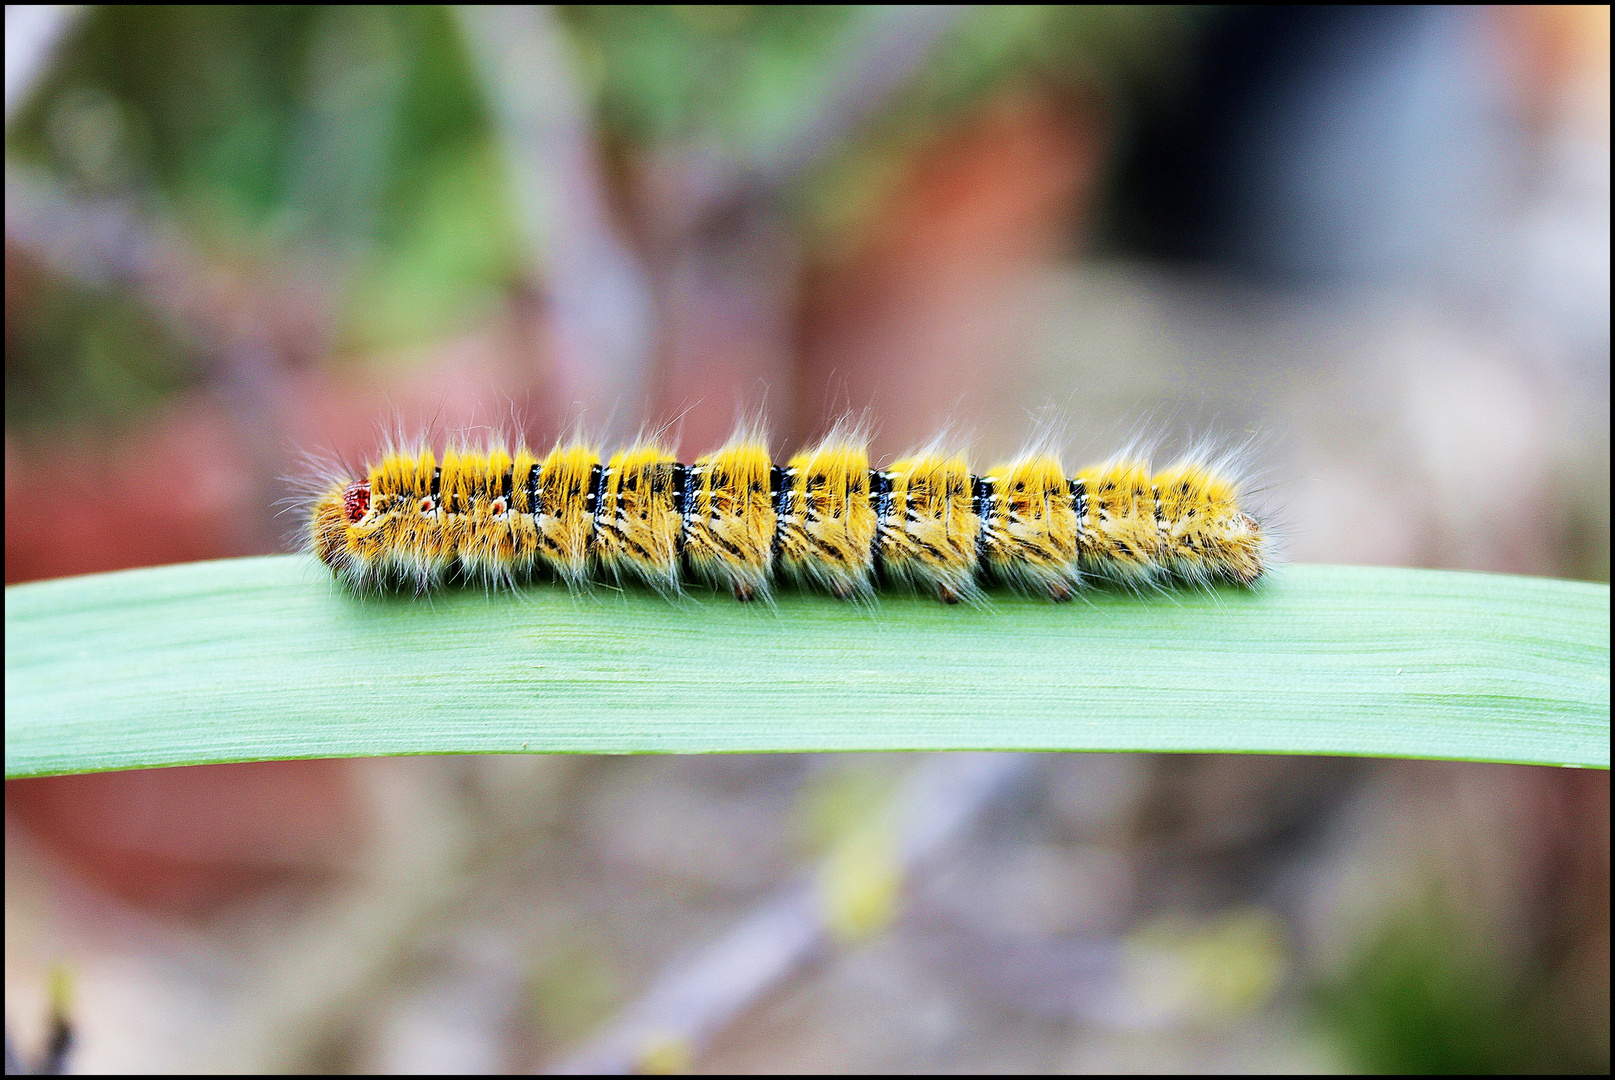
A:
<point x="1375" y="240"/>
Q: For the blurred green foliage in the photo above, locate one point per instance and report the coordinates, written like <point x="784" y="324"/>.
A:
<point x="348" y="143"/>
<point x="1425" y="995"/>
<point x="573" y="991"/>
<point x="741" y="77"/>
<point x="725" y="74"/>
<point x="75" y="352"/>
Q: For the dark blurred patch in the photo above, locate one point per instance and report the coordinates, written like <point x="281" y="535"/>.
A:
<point x="1183" y="183"/>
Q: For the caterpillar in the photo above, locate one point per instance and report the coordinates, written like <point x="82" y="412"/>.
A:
<point x="826" y="520"/>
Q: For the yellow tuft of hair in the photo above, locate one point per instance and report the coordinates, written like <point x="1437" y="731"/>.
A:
<point x="404" y="473"/>
<point x="638" y="522"/>
<point x="1205" y="535"/>
<point x="729" y="518"/>
<point x="1120" y="534"/>
<point x="1030" y="529"/>
<point x="328" y="531"/>
<point x="404" y="538"/>
<point x="928" y="526"/>
<point x="484" y="540"/>
<point x="458" y="492"/>
<point x="565" y="517"/>
<point x="827" y="523"/>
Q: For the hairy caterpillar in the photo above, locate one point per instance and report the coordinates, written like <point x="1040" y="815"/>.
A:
<point x="825" y="520"/>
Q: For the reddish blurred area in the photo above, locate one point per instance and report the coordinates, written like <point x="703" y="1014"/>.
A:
<point x="915" y="312"/>
<point x="188" y="841"/>
<point x="174" y="492"/>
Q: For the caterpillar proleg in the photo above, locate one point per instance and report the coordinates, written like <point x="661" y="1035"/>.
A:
<point x="827" y="520"/>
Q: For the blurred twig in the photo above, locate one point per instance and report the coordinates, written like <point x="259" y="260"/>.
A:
<point x="877" y="59"/>
<point x="878" y="56"/>
<point x="600" y="303"/>
<point x="311" y="981"/>
<point x="59" y="1038"/>
<point x="107" y="243"/>
<point x="696" y="996"/>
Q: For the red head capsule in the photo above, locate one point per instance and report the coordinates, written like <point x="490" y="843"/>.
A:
<point x="356" y="500"/>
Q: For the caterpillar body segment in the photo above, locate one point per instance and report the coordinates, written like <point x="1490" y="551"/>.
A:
<point x="1205" y="536"/>
<point x="399" y="537"/>
<point x="826" y="520"/>
<point x="566" y="493"/>
<point x="525" y="470"/>
<point x="1122" y="526"/>
<point x="475" y="511"/>
<point x="1031" y="536"/>
<point x="639" y="522"/>
<point x="730" y="520"/>
<point x="929" y="526"/>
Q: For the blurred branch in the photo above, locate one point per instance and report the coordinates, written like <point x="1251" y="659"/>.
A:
<point x="99" y="243"/>
<point x="600" y="301"/>
<point x="59" y="1036"/>
<point x="105" y="243"/>
<point x="341" y="953"/>
<point x="696" y="996"/>
<point x="726" y="264"/>
<point x="877" y="63"/>
<point x="32" y="33"/>
<point x="878" y="56"/>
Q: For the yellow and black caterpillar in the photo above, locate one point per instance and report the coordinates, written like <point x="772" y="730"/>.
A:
<point x="826" y="520"/>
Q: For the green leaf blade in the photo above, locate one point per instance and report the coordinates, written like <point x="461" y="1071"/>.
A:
<point x="253" y="659"/>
